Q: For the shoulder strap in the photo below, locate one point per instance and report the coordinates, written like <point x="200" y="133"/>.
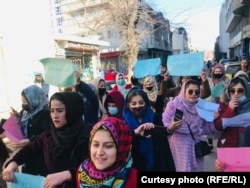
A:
<point x="191" y="132"/>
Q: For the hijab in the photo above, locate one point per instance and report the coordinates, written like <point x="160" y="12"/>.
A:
<point x="190" y="114"/>
<point x="223" y="78"/>
<point x="115" y="175"/>
<point x="121" y="88"/>
<point x="72" y="133"/>
<point x="245" y="104"/>
<point x="37" y="101"/>
<point x="241" y="73"/>
<point x="146" y="145"/>
<point x="152" y="94"/>
<point x="118" y="99"/>
<point x="188" y="106"/>
<point x="95" y="83"/>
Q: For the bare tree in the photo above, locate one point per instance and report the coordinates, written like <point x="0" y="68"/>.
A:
<point x="131" y="22"/>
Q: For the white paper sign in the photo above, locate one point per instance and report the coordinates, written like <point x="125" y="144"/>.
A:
<point x="206" y="109"/>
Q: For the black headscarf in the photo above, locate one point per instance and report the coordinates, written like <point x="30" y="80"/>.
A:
<point x="71" y="134"/>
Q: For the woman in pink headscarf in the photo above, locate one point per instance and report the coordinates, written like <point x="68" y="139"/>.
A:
<point x="181" y="142"/>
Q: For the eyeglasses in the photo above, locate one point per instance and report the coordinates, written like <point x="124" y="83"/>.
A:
<point x="239" y="91"/>
<point x="196" y="92"/>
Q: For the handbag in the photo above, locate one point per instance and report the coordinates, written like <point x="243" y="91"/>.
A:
<point x="201" y="148"/>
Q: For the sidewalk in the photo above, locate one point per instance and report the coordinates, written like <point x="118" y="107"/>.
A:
<point x="209" y="159"/>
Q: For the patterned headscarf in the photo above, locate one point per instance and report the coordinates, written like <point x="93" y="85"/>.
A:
<point x="150" y="80"/>
<point x="88" y="175"/>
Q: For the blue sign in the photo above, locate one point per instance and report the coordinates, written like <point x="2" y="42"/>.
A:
<point x="186" y="64"/>
<point x="147" y="67"/>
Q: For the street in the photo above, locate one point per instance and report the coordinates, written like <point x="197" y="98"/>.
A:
<point x="209" y="159"/>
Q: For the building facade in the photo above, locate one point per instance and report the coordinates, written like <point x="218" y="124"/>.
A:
<point x="180" y="41"/>
<point x="235" y="29"/>
<point x="72" y="17"/>
<point x="82" y="51"/>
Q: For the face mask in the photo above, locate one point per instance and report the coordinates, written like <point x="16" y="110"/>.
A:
<point x="149" y="88"/>
<point x="102" y="91"/>
<point x="241" y="99"/>
<point x="113" y="110"/>
<point x="121" y="82"/>
<point x="218" y="76"/>
<point x="26" y="107"/>
<point x="138" y="111"/>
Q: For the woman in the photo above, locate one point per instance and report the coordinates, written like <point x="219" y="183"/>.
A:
<point x="234" y="136"/>
<point x="114" y="104"/>
<point x="34" y="119"/>
<point x="218" y="76"/>
<point x="147" y="153"/>
<point x="239" y="93"/>
<point x="110" y="162"/>
<point x="121" y="84"/>
<point x="40" y="82"/>
<point x="150" y="87"/>
<point x="181" y="141"/>
<point x="64" y="146"/>
<point x="100" y="88"/>
<point x="218" y="83"/>
<point x="90" y="99"/>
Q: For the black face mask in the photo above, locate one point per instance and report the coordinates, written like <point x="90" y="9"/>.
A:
<point x="26" y="107"/>
<point x="218" y="76"/>
<point x="102" y="91"/>
<point x="149" y="88"/>
<point x="138" y="111"/>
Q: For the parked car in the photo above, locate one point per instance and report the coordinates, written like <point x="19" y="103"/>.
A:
<point x="231" y="68"/>
<point x="225" y="61"/>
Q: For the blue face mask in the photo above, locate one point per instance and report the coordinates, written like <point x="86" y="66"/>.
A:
<point x="241" y="99"/>
<point x="113" y="110"/>
<point x="121" y="82"/>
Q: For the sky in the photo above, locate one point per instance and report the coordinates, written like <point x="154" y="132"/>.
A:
<point x="200" y="18"/>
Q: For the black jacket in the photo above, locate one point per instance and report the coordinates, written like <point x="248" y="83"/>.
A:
<point x="91" y="103"/>
<point x="38" y="124"/>
<point x="162" y="153"/>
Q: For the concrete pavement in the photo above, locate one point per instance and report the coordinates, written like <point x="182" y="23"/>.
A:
<point x="209" y="159"/>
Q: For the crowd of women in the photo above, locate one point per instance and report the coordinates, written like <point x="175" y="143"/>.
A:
<point x="86" y="136"/>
